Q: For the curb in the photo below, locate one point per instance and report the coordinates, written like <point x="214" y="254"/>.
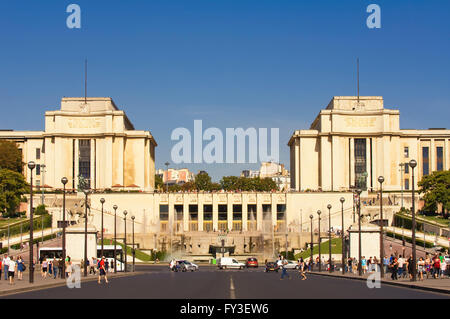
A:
<point x="437" y="290"/>
<point x="55" y="285"/>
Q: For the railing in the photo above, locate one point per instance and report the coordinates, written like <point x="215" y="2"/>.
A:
<point x="207" y="225"/>
<point x="237" y="225"/>
<point x="223" y="225"/>
<point x="164" y="227"/>
<point x="251" y="225"/>
<point x="193" y="225"/>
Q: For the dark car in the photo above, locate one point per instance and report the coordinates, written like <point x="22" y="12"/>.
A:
<point x="271" y="266"/>
<point x="251" y="262"/>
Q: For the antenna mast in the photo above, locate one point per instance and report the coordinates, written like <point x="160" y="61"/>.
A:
<point x="357" y="75"/>
<point x="85" y="81"/>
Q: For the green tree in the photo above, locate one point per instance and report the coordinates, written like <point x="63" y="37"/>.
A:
<point x="203" y="182"/>
<point x="12" y="186"/>
<point x="10" y="156"/>
<point x="40" y="210"/>
<point x="159" y="184"/>
<point x="436" y="190"/>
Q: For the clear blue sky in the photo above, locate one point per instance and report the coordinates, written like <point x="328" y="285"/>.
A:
<point x="230" y="63"/>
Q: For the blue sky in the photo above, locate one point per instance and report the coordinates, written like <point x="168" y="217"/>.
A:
<point x="229" y="63"/>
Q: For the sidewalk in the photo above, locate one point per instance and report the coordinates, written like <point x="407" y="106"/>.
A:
<point x="435" y="285"/>
<point x="21" y="286"/>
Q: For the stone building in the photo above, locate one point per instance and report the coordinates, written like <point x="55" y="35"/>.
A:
<point x="92" y="139"/>
<point x="353" y="141"/>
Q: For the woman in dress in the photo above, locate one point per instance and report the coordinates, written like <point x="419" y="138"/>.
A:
<point x="20" y="268"/>
<point x="421" y="268"/>
<point x="44" y="268"/>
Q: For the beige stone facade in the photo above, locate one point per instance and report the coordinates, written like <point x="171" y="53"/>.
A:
<point x="354" y="136"/>
<point x="92" y="138"/>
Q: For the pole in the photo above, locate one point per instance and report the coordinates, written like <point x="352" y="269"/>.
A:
<point x="311" y="262"/>
<point x="102" y="200"/>
<point x="319" y="240"/>
<point x="115" y="239"/>
<point x="85" y="232"/>
<point x="359" y="232"/>
<point x="42" y="229"/>
<point x="8" y="240"/>
<point x="342" y="234"/>
<point x="134" y="253"/>
<point x="329" y="239"/>
<point x="63" y="275"/>
<point x="381" y="180"/>
<point x="401" y="182"/>
<point x="413" y="164"/>
<point x="125" y="240"/>
<point x="31" y="166"/>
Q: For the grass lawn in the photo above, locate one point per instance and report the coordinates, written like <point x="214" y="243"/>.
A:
<point x="336" y="248"/>
<point x="436" y="219"/>
<point x="139" y="254"/>
<point x="4" y="222"/>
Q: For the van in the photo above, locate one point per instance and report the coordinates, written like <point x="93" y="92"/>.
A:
<point x="227" y="262"/>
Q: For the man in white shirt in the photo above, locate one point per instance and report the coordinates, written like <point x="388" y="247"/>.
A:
<point x="5" y="263"/>
<point x="11" y="271"/>
<point x="401" y="262"/>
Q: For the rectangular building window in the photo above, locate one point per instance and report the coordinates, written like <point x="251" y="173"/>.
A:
<point x="178" y="212"/>
<point x="251" y="212"/>
<point x="360" y="163"/>
<point x="267" y="212"/>
<point x="223" y="212"/>
<point x="439" y="158"/>
<point x="84" y="161"/>
<point x="207" y="212"/>
<point x="407" y="184"/>
<point x="38" y="153"/>
<point x="406" y="168"/>
<point x="38" y="169"/>
<point x="406" y="151"/>
<point x="237" y="212"/>
<point x="281" y="211"/>
<point x="425" y="161"/>
<point x="163" y="212"/>
<point x="193" y="212"/>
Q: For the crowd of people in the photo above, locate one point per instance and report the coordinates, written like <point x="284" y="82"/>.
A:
<point x="52" y="268"/>
<point x="431" y="266"/>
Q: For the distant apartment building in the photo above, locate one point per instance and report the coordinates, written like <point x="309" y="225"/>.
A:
<point x="176" y="176"/>
<point x="275" y="171"/>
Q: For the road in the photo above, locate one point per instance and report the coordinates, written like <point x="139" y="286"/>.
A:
<point x="157" y="282"/>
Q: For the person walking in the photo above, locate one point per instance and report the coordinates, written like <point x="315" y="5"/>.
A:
<point x="410" y="267"/>
<point x="5" y="263"/>
<point x="20" y="268"/>
<point x="385" y="264"/>
<point x="421" y="268"/>
<point x="1" y="268"/>
<point x="44" y="268"/>
<point x="283" y="268"/>
<point x="11" y="271"/>
<point x="301" y="268"/>
<point x="60" y="267"/>
<point x="394" y="267"/>
<point x="102" y="270"/>
<point x="55" y="267"/>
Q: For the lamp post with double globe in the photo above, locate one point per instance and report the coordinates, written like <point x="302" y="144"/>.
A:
<point x="342" y="200"/>
<point x="86" y="193"/>
<point x="312" y="239"/>
<point x="133" y="250"/>
<point x="102" y="201"/>
<point x="125" y="240"/>
<point x="381" y="181"/>
<point x="31" y="166"/>
<point x="359" y="191"/>
<point x="413" y="164"/>
<point x="115" y="238"/>
<point x="63" y="261"/>
<point x="329" y="238"/>
<point x="320" y="255"/>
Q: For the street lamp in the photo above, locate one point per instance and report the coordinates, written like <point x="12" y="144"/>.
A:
<point x="86" y="193"/>
<point x="320" y="255"/>
<point x="359" y="191"/>
<point x="167" y="176"/>
<point x="342" y="200"/>
<point x="312" y="239"/>
<point x="413" y="164"/>
<point x="115" y="239"/>
<point x="102" y="200"/>
<point x="63" y="275"/>
<point x="381" y="180"/>
<point x="31" y="166"/>
<point x="125" y="240"/>
<point x="134" y="253"/>
<point x="402" y="169"/>
<point x="329" y="236"/>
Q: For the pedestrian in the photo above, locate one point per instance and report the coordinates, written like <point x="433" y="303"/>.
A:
<point x="68" y="269"/>
<point x="283" y="269"/>
<point x="301" y="268"/>
<point x="11" y="270"/>
<point x="385" y="264"/>
<point x="111" y="268"/>
<point x="92" y="266"/>
<point x="421" y="268"/>
<point x="364" y="264"/>
<point x="55" y="264"/>
<point x="400" y="262"/>
<point x="5" y="263"/>
<point x="410" y="267"/>
<point x="436" y="267"/>
<point x="50" y="267"/>
<point x="1" y="268"/>
<point x="44" y="268"/>
<point x="60" y="267"/>
<point x="102" y="270"/>
<point x="427" y="265"/>
<point x="394" y="267"/>
<point x="20" y="268"/>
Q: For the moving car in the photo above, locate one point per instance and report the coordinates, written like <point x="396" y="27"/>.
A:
<point x="188" y="265"/>
<point x="227" y="262"/>
<point x="271" y="266"/>
<point x="251" y="262"/>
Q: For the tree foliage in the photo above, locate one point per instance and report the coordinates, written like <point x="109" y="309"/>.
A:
<point x="234" y="183"/>
<point x="12" y="187"/>
<point x="159" y="184"/>
<point x="10" y="156"/>
<point x="436" y="190"/>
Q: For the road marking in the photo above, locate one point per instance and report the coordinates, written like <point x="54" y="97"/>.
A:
<point x="232" y="292"/>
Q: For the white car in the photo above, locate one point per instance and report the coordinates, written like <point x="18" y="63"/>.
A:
<point x="227" y="262"/>
<point x="290" y="264"/>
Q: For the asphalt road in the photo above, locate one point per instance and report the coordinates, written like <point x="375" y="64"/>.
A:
<point x="210" y="283"/>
